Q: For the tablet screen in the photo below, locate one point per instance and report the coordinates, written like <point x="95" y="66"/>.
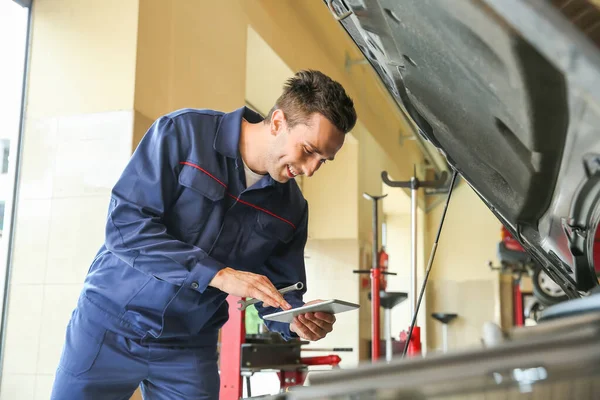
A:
<point x="333" y="306"/>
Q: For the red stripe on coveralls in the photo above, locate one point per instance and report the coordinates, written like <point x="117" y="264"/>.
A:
<point x="235" y="197"/>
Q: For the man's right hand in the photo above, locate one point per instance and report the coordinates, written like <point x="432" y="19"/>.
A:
<point x="247" y="284"/>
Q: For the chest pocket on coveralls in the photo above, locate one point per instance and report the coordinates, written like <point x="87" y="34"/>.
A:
<point x="271" y="231"/>
<point x="199" y="197"/>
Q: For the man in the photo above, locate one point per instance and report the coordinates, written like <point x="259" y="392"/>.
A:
<point x="206" y="207"/>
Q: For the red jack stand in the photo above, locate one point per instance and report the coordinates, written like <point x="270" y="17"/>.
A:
<point x="377" y="276"/>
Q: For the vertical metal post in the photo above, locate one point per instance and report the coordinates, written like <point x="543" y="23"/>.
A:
<point x="374" y="263"/>
<point x="445" y="337"/>
<point x="375" y="288"/>
<point x="413" y="250"/>
<point x="388" y="334"/>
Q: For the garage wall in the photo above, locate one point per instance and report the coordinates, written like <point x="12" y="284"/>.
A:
<point x="190" y="54"/>
<point x="461" y="281"/>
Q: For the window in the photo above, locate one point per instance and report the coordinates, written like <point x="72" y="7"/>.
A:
<point x="1" y="217"/>
<point x="4" y="152"/>
<point x="14" y="28"/>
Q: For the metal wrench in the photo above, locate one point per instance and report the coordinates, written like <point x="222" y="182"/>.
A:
<point x="243" y="304"/>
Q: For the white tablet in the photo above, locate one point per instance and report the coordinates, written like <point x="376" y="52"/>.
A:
<point x="328" y="306"/>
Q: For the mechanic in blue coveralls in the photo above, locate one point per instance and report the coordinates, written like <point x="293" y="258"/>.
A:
<point x="206" y="207"/>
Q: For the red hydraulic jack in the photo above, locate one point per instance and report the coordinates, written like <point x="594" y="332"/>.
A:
<point x="413" y="337"/>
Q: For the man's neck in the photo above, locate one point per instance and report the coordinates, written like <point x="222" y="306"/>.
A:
<point x="253" y="145"/>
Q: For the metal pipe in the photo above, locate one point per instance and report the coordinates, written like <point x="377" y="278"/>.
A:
<point x="375" y="287"/>
<point x="375" y="228"/>
<point x="445" y="337"/>
<point x="388" y="334"/>
<point x="413" y="250"/>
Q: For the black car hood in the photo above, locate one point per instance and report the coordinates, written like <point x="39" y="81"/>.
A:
<point x="509" y="92"/>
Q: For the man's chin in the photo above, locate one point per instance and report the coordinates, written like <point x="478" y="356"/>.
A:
<point x="282" y="179"/>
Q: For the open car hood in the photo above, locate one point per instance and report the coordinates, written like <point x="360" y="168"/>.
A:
<point x="509" y="92"/>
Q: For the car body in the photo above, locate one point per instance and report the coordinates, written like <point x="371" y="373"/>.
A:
<point x="509" y="92"/>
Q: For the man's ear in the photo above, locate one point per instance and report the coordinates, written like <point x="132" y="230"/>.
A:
<point x="277" y="122"/>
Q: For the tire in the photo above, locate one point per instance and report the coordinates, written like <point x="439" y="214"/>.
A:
<point x="546" y="290"/>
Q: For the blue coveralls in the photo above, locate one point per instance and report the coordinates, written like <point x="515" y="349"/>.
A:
<point x="179" y="213"/>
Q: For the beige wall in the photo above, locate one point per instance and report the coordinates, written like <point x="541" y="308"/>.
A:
<point x="333" y="196"/>
<point x="461" y="281"/>
<point x="266" y="73"/>
<point x="190" y="54"/>
<point x="80" y="62"/>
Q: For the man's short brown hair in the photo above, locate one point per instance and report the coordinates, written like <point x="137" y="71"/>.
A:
<point x="309" y="92"/>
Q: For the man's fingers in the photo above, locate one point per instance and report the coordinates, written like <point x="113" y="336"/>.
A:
<point x="323" y="323"/>
<point x="276" y="296"/>
<point x="313" y="327"/>
<point x="329" y="318"/>
<point x="257" y="293"/>
<point x="268" y="297"/>
<point x="267" y="287"/>
<point x="247" y="284"/>
<point x="303" y="331"/>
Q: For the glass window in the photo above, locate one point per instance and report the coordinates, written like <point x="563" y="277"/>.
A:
<point x="14" y="26"/>
<point x="1" y="217"/>
<point x="4" y="152"/>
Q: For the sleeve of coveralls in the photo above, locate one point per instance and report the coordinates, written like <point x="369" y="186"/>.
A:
<point x="135" y="231"/>
<point x="285" y="267"/>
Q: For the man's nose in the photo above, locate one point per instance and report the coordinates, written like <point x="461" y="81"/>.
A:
<point x="311" y="167"/>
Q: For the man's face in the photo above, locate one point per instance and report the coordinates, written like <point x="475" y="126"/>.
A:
<point x="301" y="150"/>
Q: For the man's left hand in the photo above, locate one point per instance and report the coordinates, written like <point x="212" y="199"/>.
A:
<point x="313" y="325"/>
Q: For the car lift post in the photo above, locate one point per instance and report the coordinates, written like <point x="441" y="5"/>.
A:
<point x="414" y="184"/>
